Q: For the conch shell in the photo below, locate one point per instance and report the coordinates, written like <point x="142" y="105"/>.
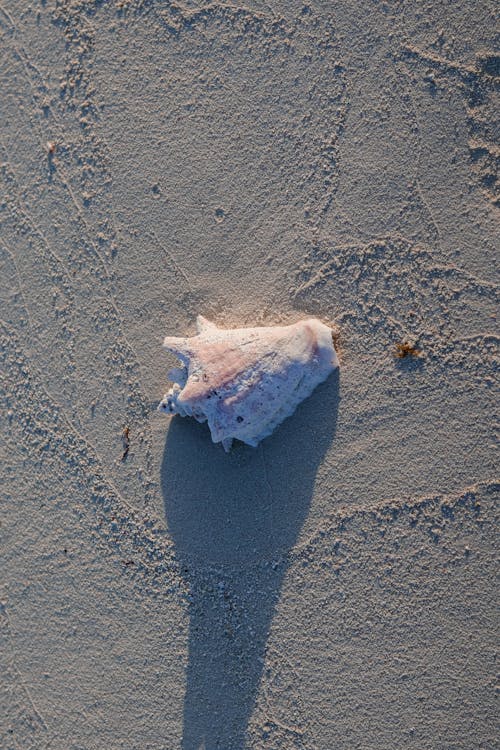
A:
<point x="245" y="381"/>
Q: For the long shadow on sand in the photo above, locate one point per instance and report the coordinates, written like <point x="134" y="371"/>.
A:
<point x="233" y="518"/>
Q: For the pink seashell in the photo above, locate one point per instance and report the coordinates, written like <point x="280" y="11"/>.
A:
<point x="245" y="381"/>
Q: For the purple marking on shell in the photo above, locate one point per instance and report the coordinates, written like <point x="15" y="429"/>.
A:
<point x="245" y="381"/>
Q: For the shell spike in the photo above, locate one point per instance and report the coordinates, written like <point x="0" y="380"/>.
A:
<point x="203" y="325"/>
<point x="179" y="346"/>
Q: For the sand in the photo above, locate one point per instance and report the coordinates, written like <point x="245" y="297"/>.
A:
<point x="257" y="163"/>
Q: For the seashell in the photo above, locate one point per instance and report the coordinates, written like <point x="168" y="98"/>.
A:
<point x="245" y="381"/>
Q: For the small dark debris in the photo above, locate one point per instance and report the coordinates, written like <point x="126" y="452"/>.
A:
<point x="239" y="418"/>
<point x="128" y="563"/>
<point x="126" y="443"/>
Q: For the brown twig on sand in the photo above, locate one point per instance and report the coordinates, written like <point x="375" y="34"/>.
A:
<point x="404" y="349"/>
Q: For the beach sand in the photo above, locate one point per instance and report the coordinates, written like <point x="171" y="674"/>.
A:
<point x="256" y="163"/>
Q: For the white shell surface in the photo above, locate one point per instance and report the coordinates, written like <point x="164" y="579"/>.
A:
<point x="245" y="381"/>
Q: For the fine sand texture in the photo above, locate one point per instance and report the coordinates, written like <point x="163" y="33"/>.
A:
<point x="334" y="588"/>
